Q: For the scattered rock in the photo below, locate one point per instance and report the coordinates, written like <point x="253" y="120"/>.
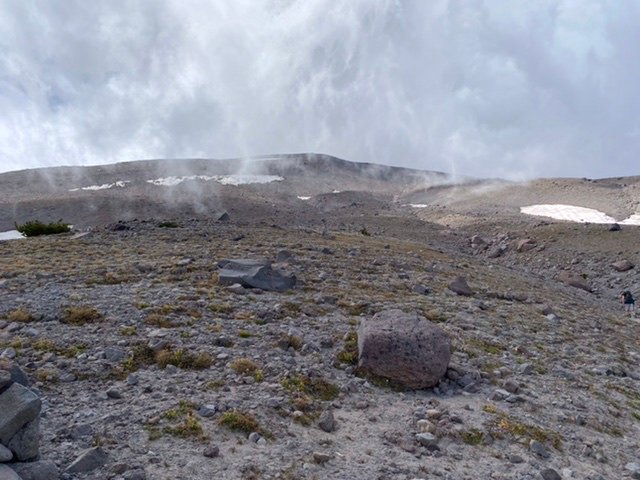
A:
<point x="539" y="449"/>
<point x="7" y="473"/>
<point x="211" y="451"/>
<point x="614" y="227"/>
<point x="19" y="406"/>
<point x="526" y="244"/>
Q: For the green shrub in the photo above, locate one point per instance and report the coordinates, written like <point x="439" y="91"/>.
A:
<point x="34" y="228"/>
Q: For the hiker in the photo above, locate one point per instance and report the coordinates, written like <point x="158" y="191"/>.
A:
<point x="628" y="301"/>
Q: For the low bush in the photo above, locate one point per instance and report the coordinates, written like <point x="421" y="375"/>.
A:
<point x="34" y="228"/>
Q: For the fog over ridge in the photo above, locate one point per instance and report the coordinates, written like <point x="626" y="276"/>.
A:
<point x="473" y="87"/>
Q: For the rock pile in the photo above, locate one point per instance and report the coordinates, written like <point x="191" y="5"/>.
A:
<point x="20" y="428"/>
<point x="254" y="274"/>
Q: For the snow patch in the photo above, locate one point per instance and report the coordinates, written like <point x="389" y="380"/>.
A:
<point x="303" y="198"/>
<point x="416" y="205"/>
<point x="11" y="235"/>
<point x="572" y="213"/>
<point x="234" y="180"/>
<point x="119" y="183"/>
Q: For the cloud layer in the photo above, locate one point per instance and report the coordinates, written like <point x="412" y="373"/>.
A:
<point x="487" y="88"/>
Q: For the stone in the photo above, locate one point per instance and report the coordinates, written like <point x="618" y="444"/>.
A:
<point x="539" y="449"/>
<point x="19" y="406"/>
<point x="207" y="411"/>
<point x="327" y="422"/>
<point x="427" y="439"/>
<point x="634" y="469"/>
<point x="7" y="473"/>
<point x="254" y="437"/>
<point x="5" y="454"/>
<point x="622" y="265"/>
<point x="40" y="470"/>
<point x="425" y="426"/>
<point x="574" y="281"/>
<point x="526" y="244"/>
<point x="25" y="444"/>
<point x="459" y="286"/>
<point x="550" y="474"/>
<point x="254" y="274"/>
<point x="137" y="474"/>
<point x="114" y="394"/>
<point x="5" y="378"/>
<point x="420" y="289"/>
<point x="114" y="354"/>
<point x="614" y="227"/>
<point x="515" y="458"/>
<point x="88" y="460"/>
<point x="18" y="376"/>
<point x="321" y="457"/>
<point x="404" y="348"/>
<point x="211" y="451"/>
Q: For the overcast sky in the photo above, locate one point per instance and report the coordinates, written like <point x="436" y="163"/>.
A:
<point x="488" y="88"/>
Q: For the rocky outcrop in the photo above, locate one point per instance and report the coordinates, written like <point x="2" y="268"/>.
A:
<point x="404" y="348"/>
<point x="254" y="274"/>
<point x="20" y="428"/>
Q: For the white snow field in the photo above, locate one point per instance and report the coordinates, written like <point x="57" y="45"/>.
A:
<point x="11" y="235"/>
<point x="303" y="197"/>
<point x="119" y="183"/>
<point x="234" y="180"/>
<point x="572" y="213"/>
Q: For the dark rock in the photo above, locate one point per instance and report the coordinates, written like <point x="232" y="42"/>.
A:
<point x="459" y="285"/>
<point x="550" y="474"/>
<point x="327" y="422"/>
<point x="224" y="217"/>
<point x="404" y="348"/>
<point x="25" y="444"/>
<point x="614" y="227"/>
<point x="5" y="379"/>
<point x="211" y="451"/>
<point x="41" y="470"/>
<point x="254" y="274"/>
<point x="19" y="406"/>
<point x="88" y="460"/>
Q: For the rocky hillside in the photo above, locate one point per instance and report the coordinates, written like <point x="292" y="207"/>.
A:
<point x="149" y="364"/>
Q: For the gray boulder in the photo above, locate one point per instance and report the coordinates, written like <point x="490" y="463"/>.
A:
<point x="41" y="470"/>
<point x="25" y="444"/>
<point x="254" y="274"/>
<point x="19" y="406"/>
<point x="8" y="474"/>
<point x="404" y="348"/>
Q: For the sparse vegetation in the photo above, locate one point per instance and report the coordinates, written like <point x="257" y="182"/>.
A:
<point x="349" y="354"/>
<point x="80" y="315"/>
<point x="244" y="366"/>
<point x="21" y="314"/>
<point x="240" y="421"/>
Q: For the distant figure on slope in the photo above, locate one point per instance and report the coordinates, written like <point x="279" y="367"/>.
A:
<point x="628" y="301"/>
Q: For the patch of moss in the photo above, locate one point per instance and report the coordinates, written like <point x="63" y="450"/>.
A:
<point x="20" y="314"/>
<point x="244" y="366"/>
<point x="473" y="436"/>
<point x="315" y="387"/>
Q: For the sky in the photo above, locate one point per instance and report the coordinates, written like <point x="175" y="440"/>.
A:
<point x="489" y="88"/>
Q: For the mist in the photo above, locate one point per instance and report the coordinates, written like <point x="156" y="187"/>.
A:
<point x="484" y="88"/>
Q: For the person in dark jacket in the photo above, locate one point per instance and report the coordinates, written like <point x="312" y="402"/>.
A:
<point x="628" y="301"/>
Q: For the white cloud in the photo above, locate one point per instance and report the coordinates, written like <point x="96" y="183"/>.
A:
<point x="495" y="88"/>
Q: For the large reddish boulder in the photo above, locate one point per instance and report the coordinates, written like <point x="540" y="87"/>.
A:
<point x="404" y="348"/>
